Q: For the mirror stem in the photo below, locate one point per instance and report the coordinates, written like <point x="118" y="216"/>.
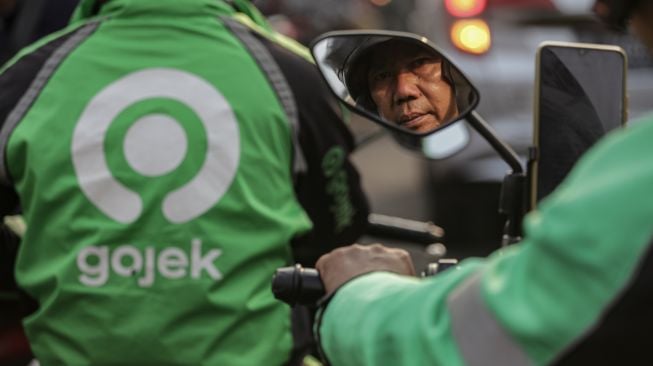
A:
<point x="512" y="204"/>
<point x="513" y="189"/>
<point x="506" y="152"/>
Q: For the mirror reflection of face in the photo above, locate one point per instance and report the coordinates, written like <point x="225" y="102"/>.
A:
<point x="406" y="83"/>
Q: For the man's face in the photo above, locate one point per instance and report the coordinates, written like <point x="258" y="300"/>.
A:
<point x="406" y="84"/>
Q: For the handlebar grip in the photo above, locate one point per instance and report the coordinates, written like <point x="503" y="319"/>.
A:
<point x="297" y="285"/>
<point x="303" y="286"/>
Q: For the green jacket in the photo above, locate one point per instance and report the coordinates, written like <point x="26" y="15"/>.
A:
<point x="578" y="283"/>
<point x="156" y="162"/>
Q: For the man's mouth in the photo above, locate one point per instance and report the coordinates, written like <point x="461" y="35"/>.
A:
<point x="413" y="120"/>
<point x="408" y="118"/>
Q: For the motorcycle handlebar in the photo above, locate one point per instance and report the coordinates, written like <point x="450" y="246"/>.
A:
<point x="303" y="286"/>
<point x="297" y="285"/>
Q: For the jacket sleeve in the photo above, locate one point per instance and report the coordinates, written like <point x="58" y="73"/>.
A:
<point x="16" y="77"/>
<point x="329" y="190"/>
<point x="527" y="304"/>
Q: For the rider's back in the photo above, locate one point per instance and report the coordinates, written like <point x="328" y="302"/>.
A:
<point x="153" y="161"/>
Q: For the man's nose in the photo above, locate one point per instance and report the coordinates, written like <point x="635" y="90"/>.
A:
<point x="406" y="87"/>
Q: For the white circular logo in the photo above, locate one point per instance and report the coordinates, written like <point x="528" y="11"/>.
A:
<point x="156" y="144"/>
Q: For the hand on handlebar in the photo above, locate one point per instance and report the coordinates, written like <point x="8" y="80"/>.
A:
<point x="343" y="264"/>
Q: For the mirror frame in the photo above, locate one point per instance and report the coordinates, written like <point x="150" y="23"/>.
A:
<point x="408" y="137"/>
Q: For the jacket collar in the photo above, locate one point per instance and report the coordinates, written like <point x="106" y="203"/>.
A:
<point x="91" y="8"/>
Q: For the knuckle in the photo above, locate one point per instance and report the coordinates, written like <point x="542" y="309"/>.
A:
<point x="357" y="246"/>
<point x="376" y="247"/>
<point x="343" y="250"/>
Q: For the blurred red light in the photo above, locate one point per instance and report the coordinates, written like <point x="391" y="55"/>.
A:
<point x="465" y="8"/>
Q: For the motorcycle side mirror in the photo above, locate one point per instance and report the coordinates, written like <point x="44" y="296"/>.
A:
<point x="406" y="84"/>
<point x="398" y="80"/>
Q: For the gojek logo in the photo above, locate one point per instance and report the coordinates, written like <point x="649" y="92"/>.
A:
<point x="156" y="144"/>
<point x="95" y="263"/>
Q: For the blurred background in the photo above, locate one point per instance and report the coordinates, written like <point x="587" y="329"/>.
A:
<point x="493" y="41"/>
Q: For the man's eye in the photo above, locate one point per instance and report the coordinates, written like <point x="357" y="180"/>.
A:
<point x="380" y="76"/>
<point x="420" y="61"/>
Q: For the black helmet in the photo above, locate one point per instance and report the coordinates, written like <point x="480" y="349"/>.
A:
<point x="350" y="58"/>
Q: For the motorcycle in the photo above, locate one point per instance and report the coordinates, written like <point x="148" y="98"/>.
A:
<point x="358" y="66"/>
<point x="346" y="60"/>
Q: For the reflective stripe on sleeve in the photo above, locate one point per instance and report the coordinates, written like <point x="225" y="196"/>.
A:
<point x="35" y="89"/>
<point x="480" y="338"/>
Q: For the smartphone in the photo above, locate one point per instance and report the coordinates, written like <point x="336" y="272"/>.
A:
<point x="580" y="96"/>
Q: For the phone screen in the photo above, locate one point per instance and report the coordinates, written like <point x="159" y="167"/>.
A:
<point x="581" y="98"/>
